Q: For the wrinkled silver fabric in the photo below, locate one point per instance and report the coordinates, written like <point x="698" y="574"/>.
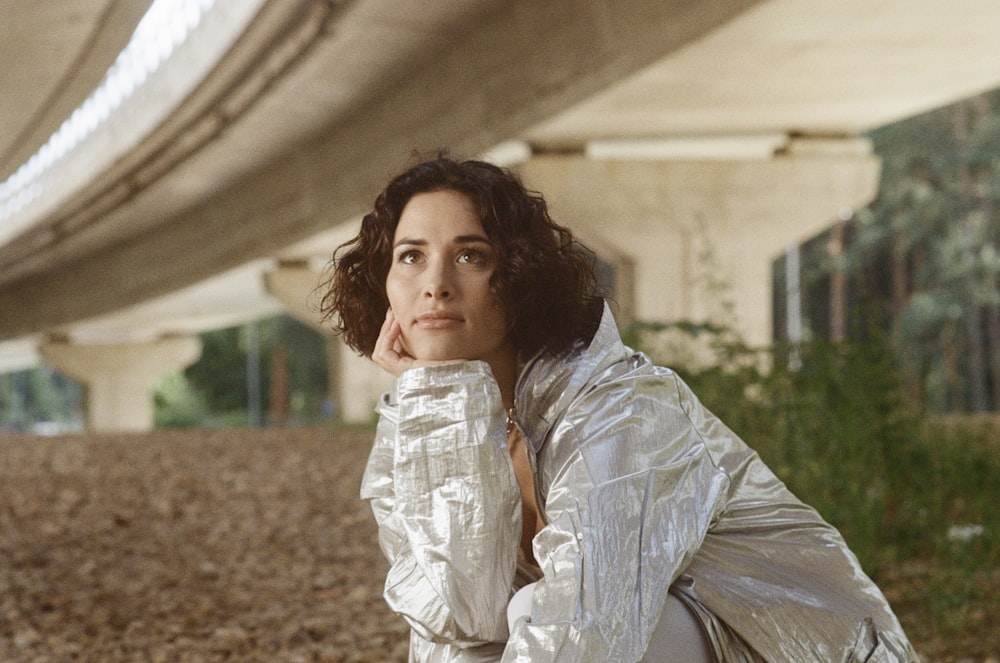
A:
<point x="643" y="491"/>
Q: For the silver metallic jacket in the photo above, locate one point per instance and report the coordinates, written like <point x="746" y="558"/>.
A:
<point x="642" y="491"/>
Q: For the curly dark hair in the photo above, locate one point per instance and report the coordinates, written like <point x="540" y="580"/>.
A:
<point x="544" y="277"/>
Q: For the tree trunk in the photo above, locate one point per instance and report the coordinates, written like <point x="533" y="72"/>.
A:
<point x="279" y="393"/>
<point x="977" y="359"/>
<point x="900" y="293"/>
<point x="993" y="336"/>
<point x="900" y="279"/>
<point x="838" y="285"/>
<point x="973" y="315"/>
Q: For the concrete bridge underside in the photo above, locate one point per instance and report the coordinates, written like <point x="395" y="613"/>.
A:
<point x="660" y="131"/>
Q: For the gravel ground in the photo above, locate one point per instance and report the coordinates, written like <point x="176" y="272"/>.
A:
<point x="230" y="545"/>
<point x="218" y="545"/>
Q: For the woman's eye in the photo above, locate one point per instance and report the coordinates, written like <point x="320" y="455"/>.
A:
<point x="471" y="257"/>
<point x="408" y="257"/>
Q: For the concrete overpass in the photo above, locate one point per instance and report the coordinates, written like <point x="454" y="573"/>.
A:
<point x="230" y="147"/>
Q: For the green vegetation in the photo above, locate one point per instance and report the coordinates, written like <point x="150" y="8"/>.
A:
<point x="911" y="495"/>
<point x="39" y="400"/>
<point x="267" y="372"/>
<point x="925" y="255"/>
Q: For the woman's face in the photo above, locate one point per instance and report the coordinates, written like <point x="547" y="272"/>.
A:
<point x="439" y="282"/>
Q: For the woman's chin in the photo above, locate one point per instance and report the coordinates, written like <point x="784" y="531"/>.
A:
<point x="442" y="358"/>
<point x="433" y="354"/>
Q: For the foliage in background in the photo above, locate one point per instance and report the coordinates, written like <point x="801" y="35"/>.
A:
<point x="217" y="389"/>
<point x="927" y="250"/>
<point x="39" y="400"/>
<point x="219" y="376"/>
<point x="177" y="404"/>
<point x="833" y="423"/>
<point x="906" y="294"/>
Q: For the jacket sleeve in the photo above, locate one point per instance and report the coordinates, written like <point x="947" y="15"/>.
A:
<point x="630" y="498"/>
<point x="446" y="500"/>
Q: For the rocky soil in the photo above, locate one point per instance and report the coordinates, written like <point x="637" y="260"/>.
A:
<point x="192" y="546"/>
<point x="228" y="545"/>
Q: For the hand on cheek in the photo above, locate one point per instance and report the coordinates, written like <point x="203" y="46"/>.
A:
<point x="389" y="352"/>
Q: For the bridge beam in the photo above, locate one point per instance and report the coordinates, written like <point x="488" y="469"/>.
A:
<point x="119" y="377"/>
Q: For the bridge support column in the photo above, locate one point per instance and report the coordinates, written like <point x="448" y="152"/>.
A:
<point x="701" y="235"/>
<point x="355" y="383"/>
<point x="119" y="377"/>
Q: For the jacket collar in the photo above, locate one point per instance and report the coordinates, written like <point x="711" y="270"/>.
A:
<point x="547" y="385"/>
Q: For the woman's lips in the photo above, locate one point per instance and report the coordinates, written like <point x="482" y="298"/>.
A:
<point x="437" y="320"/>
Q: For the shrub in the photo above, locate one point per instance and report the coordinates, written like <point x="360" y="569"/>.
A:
<point x="832" y="422"/>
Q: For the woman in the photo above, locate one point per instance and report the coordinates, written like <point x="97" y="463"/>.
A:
<point x="526" y="453"/>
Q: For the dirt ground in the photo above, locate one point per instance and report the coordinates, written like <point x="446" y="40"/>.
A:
<point x="191" y="546"/>
<point x="227" y="545"/>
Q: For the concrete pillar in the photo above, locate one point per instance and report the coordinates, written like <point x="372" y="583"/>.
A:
<point x="296" y="284"/>
<point x="360" y="385"/>
<point x="119" y="377"/>
<point x="355" y="382"/>
<point x="702" y="234"/>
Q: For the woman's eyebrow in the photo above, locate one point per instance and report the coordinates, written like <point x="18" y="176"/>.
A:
<point x="469" y="239"/>
<point x="460" y="239"/>
<point x="410" y="241"/>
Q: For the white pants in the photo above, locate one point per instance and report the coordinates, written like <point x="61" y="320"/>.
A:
<point x="678" y="637"/>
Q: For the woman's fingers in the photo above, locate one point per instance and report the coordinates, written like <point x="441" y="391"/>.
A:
<point x="382" y="344"/>
<point x="388" y="353"/>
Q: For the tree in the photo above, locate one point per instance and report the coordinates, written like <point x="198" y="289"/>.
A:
<point x="928" y="251"/>
<point x="292" y="360"/>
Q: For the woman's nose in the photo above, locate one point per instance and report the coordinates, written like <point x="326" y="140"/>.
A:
<point x="437" y="284"/>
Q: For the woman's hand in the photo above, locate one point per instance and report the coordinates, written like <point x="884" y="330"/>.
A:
<point x="389" y="353"/>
